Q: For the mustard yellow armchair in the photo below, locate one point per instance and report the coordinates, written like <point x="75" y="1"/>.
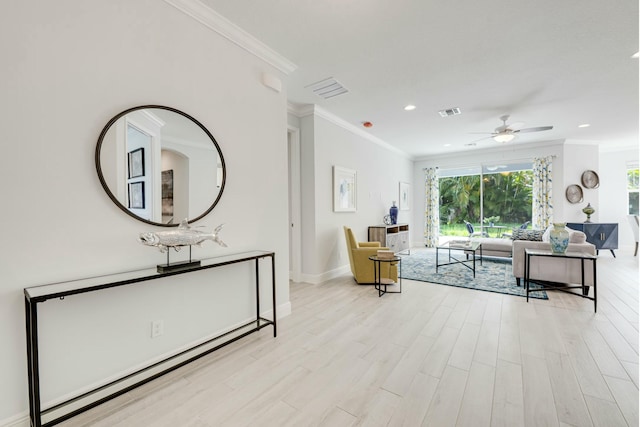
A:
<point x="361" y="265"/>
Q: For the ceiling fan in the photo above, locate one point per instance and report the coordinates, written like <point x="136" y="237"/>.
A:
<point x="507" y="133"/>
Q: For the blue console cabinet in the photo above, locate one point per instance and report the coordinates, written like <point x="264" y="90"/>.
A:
<point x="602" y="235"/>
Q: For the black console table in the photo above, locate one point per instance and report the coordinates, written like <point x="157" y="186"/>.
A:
<point x="528" y="253"/>
<point x="601" y="235"/>
<point x="39" y="294"/>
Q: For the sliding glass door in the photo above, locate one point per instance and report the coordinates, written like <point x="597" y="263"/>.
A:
<point x="492" y="198"/>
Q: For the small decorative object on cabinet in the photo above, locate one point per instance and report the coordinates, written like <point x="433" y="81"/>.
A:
<point x="588" y="210"/>
<point x="395" y="237"/>
<point x="393" y="213"/>
<point x="176" y="239"/>
<point x="559" y="238"/>
<point x="602" y="235"/>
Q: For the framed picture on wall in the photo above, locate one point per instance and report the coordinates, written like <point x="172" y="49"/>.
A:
<point x="404" y="199"/>
<point x="136" y="163"/>
<point x="344" y="189"/>
<point x="136" y="195"/>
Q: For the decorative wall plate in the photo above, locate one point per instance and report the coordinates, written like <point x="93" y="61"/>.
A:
<point x="590" y="179"/>
<point x="574" y="193"/>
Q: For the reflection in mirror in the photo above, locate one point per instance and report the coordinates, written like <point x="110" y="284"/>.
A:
<point x="160" y="165"/>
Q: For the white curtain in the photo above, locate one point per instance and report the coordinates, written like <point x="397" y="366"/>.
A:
<point x="542" y="192"/>
<point x="432" y="207"/>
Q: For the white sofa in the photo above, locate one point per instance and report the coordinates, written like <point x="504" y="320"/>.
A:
<point x="560" y="270"/>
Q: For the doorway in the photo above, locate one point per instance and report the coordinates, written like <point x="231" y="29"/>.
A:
<point x="295" y="231"/>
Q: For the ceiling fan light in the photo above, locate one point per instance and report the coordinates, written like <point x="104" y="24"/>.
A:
<point x="504" y="137"/>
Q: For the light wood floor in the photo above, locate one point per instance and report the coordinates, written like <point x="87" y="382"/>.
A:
<point x="433" y="356"/>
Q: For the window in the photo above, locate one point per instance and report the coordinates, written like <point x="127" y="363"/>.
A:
<point x="632" y="188"/>
<point x="493" y="198"/>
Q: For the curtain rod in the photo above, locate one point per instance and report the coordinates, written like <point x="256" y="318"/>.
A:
<point x="481" y="164"/>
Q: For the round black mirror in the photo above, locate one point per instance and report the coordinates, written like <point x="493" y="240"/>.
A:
<point x="160" y="165"/>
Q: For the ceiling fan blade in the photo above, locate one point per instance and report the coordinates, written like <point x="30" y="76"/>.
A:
<point x="538" y="129"/>
<point x="481" y="139"/>
<point x="516" y="125"/>
<point x="482" y="133"/>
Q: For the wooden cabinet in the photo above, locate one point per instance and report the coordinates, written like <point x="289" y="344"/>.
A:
<point x="394" y="237"/>
<point x="602" y="235"/>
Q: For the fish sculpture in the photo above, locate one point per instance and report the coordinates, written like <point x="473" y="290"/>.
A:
<point x="184" y="235"/>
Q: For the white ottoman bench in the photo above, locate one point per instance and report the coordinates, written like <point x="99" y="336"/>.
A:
<point x="496" y="247"/>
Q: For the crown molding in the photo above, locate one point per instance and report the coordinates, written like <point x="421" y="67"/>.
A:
<point x="300" y="110"/>
<point x="221" y="25"/>
<point x="312" y="109"/>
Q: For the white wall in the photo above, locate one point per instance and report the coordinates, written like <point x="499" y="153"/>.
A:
<point x="327" y="142"/>
<point x="578" y="158"/>
<point x="69" y="66"/>
<point x="613" y="193"/>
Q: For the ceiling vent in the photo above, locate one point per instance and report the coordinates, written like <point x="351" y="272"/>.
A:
<point x="328" y="88"/>
<point x="450" y="112"/>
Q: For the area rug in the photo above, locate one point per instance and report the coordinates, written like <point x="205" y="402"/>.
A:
<point x="494" y="275"/>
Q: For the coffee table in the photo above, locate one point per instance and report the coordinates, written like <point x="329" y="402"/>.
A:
<point x="469" y="248"/>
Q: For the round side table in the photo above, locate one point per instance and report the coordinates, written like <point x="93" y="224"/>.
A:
<point x="380" y="281"/>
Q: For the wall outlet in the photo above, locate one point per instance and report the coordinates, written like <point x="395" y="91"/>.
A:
<point x="157" y="328"/>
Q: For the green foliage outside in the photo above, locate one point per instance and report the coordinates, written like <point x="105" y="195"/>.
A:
<point x="461" y="229"/>
<point x="633" y="178"/>
<point x="632" y="188"/>
<point x="507" y="201"/>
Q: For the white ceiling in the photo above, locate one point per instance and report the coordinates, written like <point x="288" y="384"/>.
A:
<point x="544" y="62"/>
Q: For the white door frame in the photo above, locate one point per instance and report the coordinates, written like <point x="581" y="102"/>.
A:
<point x="295" y="231"/>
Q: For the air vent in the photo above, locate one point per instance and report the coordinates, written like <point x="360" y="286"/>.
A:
<point x="328" y="88"/>
<point x="450" y="112"/>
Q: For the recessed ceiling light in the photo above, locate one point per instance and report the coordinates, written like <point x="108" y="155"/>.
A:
<point x="410" y="107"/>
<point x="447" y="145"/>
<point x="584" y="125"/>
<point x="636" y="55"/>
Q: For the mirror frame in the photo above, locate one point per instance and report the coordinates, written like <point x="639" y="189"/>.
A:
<point x="113" y="197"/>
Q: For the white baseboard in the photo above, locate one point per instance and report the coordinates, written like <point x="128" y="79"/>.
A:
<point x="22" y="420"/>
<point x="284" y="310"/>
<point x="315" y="279"/>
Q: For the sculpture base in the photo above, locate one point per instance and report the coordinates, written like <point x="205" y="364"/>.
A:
<point x="175" y="266"/>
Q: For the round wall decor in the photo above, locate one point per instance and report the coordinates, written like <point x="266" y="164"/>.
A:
<point x="574" y="193"/>
<point x="590" y="179"/>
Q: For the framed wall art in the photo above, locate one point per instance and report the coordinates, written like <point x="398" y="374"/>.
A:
<point x="136" y="163"/>
<point x="136" y="195"/>
<point x="404" y="199"/>
<point x="344" y="189"/>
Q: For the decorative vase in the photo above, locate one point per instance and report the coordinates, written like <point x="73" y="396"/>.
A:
<point x="559" y="238"/>
<point x="393" y="213"/>
<point x="588" y="210"/>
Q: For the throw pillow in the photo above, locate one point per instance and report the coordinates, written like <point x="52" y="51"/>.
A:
<point x="532" y="235"/>
<point x="576" y="236"/>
